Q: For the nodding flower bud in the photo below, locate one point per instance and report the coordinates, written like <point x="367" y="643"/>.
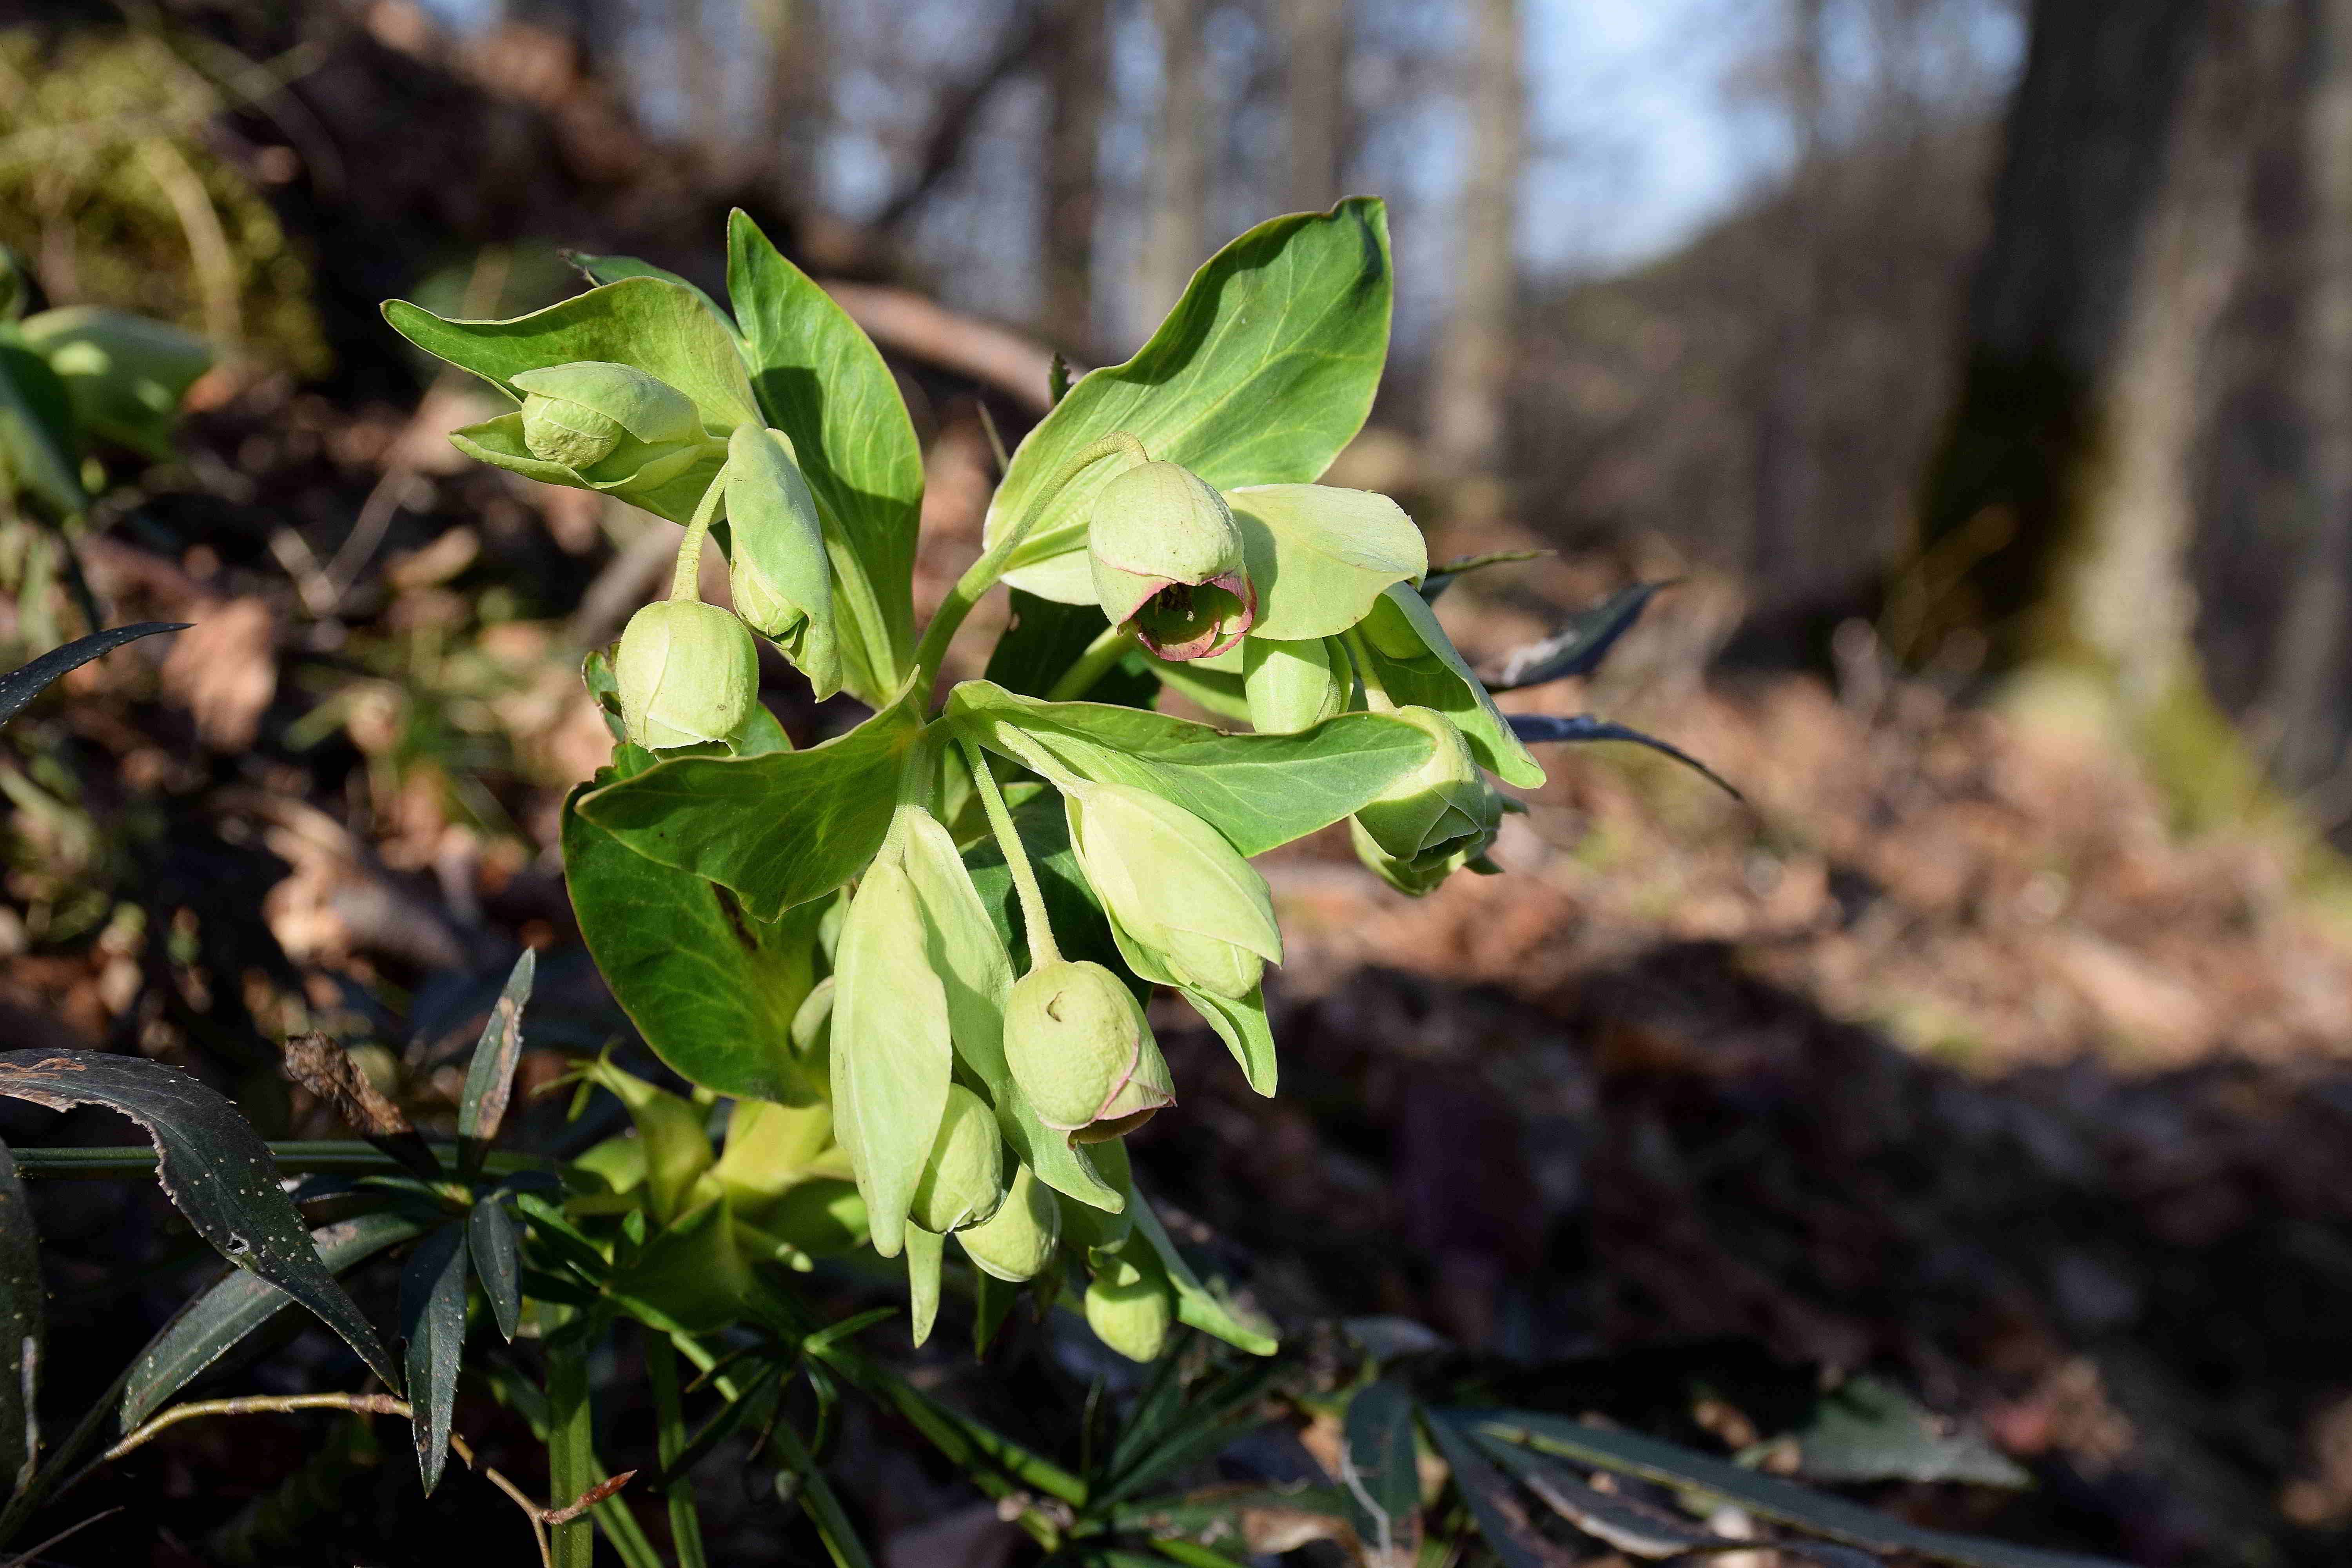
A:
<point x="1434" y="820"/>
<point x="687" y="672"/>
<point x="963" y="1181"/>
<point x="1129" y="1305"/>
<point x="606" y="422"/>
<point x="1295" y="686"/>
<point x="1167" y="557"/>
<point x="1175" y="886"/>
<point x="1017" y="1241"/>
<point x="1075" y="1040"/>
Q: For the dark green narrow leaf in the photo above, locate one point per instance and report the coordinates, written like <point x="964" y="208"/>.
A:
<point x="489" y="1077"/>
<point x="490" y="1238"/>
<point x="213" y="1167"/>
<point x="1636" y="1528"/>
<point x="825" y="1511"/>
<point x="1446" y="574"/>
<point x="1213" y="1409"/>
<point x="750" y="1399"/>
<point x="1382" y="1481"/>
<point x="1533" y="729"/>
<point x="1630" y="1454"/>
<point x="20" y="1328"/>
<point x="433" y="1321"/>
<point x="23" y="684"/>
<point x="1582" y="641"/>
<point x="1494" y="1502"/>
<point x="212" y="1323"/>
<point x="669" y="1415"/>
<point x="571" y="1446"/>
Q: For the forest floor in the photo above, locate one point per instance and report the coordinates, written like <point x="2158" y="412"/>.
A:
<point x="1944" y="1055"/>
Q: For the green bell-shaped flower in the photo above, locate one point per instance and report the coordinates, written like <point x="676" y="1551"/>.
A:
<point x="1436" y="819"/>
<point x="1077" y="1044"/>
<point x="124" y="374"/>
<point x="1175" y="887"/>
<point x="687" y="672"/>
<point x="1093" y="1229"/>
<point x="1018" y="1240"/>
<point x="963" y="1181"/>
<point x="1167" y="558"/>
<point x="776" y="565"/>
<point x="1131" y="1305"/>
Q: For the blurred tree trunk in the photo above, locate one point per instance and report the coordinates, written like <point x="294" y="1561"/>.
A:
<point x="1079" y="76"/>
<point x="1177" y="236"/>
<point x="1474" y="355"/>
<point x="2305" y="696"/>
<point x="782" y="155"/>
<point x="1785" y="437"/>
<point x="1315" y="83"/>
<point x="2057" y="512"/>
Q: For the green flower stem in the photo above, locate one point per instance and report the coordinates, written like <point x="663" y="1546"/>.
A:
<point x="686" y="583"/>
<point x="1092" y="664"/>
<point x="1375" y="693"/>
<point x="985" y="571"/>
<point x="670" y="1440"/>
<point x="1040" y="931"/>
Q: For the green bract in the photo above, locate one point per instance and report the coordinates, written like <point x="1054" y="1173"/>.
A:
<point x="1018" y="1240"/>
<point x="776" y="566"/>
<point x="963" y="1181"/>
<point x="1321" y="556"/>
<point x="1167" y="559"/>
<point x="1174" y="887"/>
<point x="1079" y="1047"/>
<point x="1414" y="662"/>
<point x="1434" y="821"/>
<point x="891" y="1049"/>
<point x="688" y="674"/>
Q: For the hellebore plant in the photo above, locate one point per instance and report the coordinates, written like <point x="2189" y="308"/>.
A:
<point x="856" y="941"/>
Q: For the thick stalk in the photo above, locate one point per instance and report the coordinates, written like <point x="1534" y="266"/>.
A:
<point x="685" y="580"/>
<point x="1039" y="931"/>
<point x="1375" y="694"/>
<point x="985" y="571"/>
<point x="1092" y="664"/>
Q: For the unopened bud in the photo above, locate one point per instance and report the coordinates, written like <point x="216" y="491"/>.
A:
<point x="1077" y="1041"/>
<point x="1167" y="556"/>
<point x="1295" y="686"/>
<point x="963" y="1181"/>
<point x="1175" y="886"/>
<point x="1436" y="819"/>
<point x="1130" y="1306"/>
<point x="688" y="673"/>
<point x="1017" y="1241"/>
<point x="579" y="414"/>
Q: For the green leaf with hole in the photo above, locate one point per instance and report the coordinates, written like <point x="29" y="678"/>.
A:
<point x="822" y="383"/>
<point x="213" y="1167"/>
<point x="777" y="829"/>
<point x="1320" y="556"/>
<point x="1259" y="791"/>
<point x="490" y="1075"/>
<point x="1262" y="372"/>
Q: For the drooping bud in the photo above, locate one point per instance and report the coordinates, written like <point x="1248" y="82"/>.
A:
<point x="776" y="565"/>
<point x="1174" y="886"/>
<point x="1295" y="686"/>
<point x="687" y="672"/>
<point x="1130" y="1306"/>
<point x="1017" y="1241"/>
<point x="579" y="415"/>
<point x="1077" y="1044"/>
<point x="963" y="1181"/>
<point x="1167" y="556"/>
<point x="1434" y="820"/>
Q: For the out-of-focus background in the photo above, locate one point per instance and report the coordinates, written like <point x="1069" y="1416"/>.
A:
<point x="1980" y="372"/>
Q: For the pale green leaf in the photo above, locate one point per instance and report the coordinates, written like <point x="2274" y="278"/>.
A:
<point x="778" y="829"/>
<point x="1262" y="372"/>
<point x="1259" y="791"/>
<point x="653" y="323"/>
<point x="1435" y="675"/>
<point x="822" y="383"/>
<point x="1319" y="556"/>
